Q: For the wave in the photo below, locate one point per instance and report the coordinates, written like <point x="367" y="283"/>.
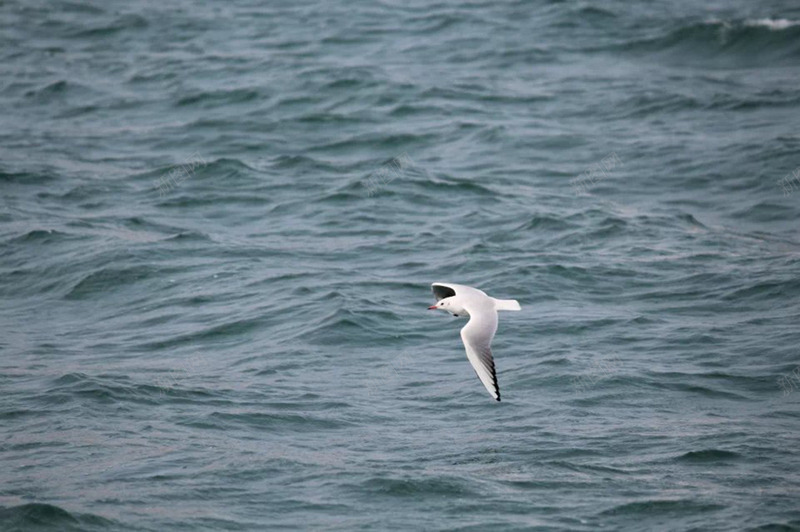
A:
<point x="47" y="516"/>
<point x="729" y="43"/>
<point x="545" y="222"/>
<point x="414" y="487"/>
<point x="773" y="24"/>
<point x="121" y="23"/>
<point x="116" y="388"/>
<point x="678" y="507"/>
<point x="100" y="282"/>
<point x="235" y="329"/>
<point x="708" y="455"/>
<point x="766" y="291"/>
<point x="40" y="236"/>
<point x="26" y="178"/>
<point x="209" y="99"/>
<point x="277" y="422"/>
<point x="338" y="328"/>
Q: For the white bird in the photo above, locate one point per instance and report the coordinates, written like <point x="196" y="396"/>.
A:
<point x="477" y="334"/>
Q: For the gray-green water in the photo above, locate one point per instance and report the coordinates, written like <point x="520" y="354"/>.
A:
<point x="246" y="346"/>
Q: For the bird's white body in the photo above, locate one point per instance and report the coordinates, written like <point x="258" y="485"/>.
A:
<point x="478" y="333"/>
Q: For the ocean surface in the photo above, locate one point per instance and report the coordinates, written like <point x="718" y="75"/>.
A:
<point x="220" y="221"/>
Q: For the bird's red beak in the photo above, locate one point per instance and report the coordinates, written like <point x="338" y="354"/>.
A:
<point x="432" y="307"/>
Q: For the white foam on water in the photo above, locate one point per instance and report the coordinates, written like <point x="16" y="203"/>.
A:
<point x="773" y="23"/>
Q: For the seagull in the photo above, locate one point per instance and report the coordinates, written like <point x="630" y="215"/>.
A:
<point x="477" y="334"/>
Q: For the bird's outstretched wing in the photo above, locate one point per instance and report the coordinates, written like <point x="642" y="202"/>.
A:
<point x="477" y="336"/>
<point x="441" y="291"/>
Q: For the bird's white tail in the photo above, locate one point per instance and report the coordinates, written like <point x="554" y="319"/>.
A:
<point x="506" y="304"/>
